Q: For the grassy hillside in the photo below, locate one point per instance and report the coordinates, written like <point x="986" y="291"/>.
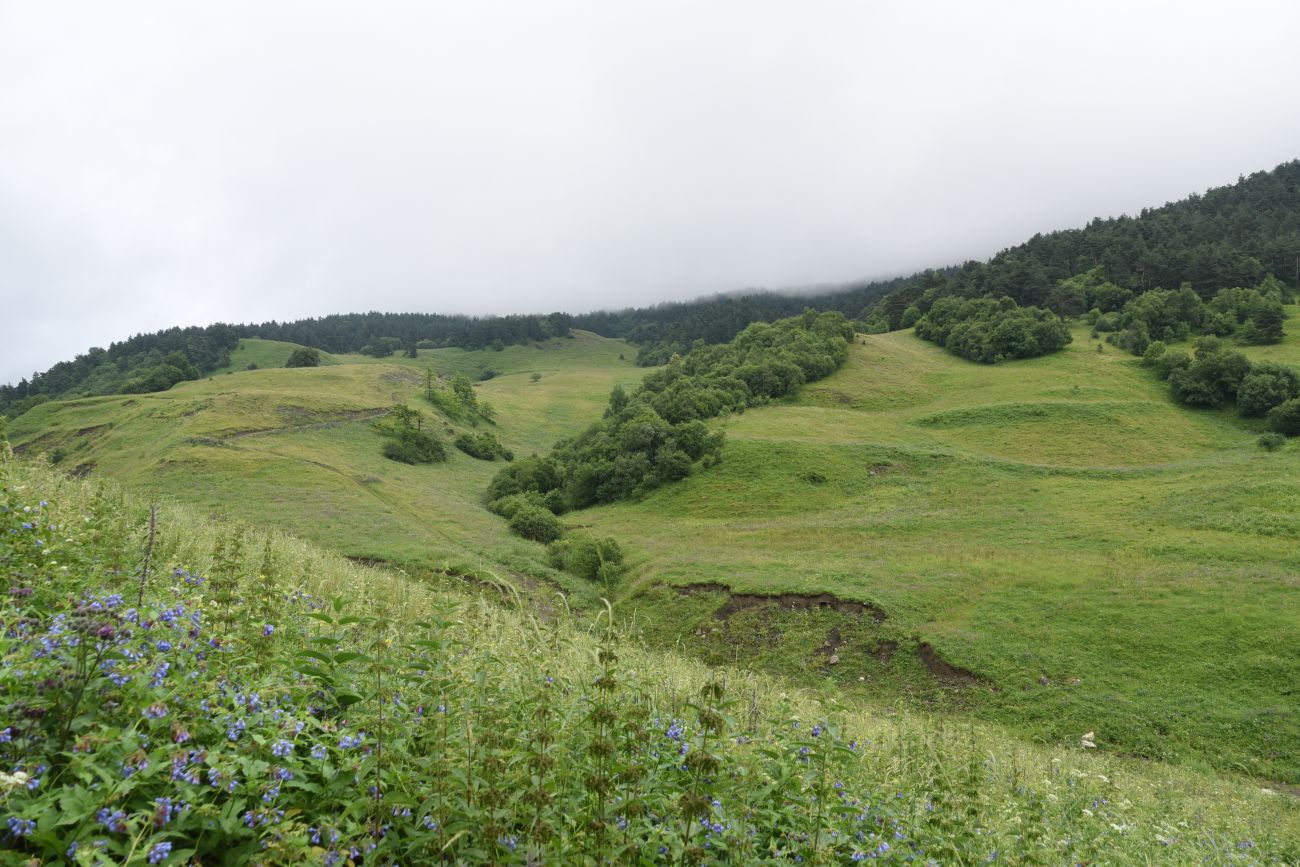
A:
<point x="1053" y="544"/>
<point x="261" y="700"/>
<point x="263" y="353"/>
<point x="297" y="444"/>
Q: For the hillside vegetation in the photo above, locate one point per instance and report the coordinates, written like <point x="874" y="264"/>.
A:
<point x="1235" y="235"/>
<point x="297" y="445"/>
<point x="1053" y="544"/>
<point x="1050" y="545"/>
<point x="181" y="691"/>
<point x="157" y="361"/>
<point x="655" y="435"/>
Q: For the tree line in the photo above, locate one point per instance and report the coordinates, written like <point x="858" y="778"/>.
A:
<point x="663" y="330"/>
<point x="1235" y="235"/>
<point x="1232" y="236"/>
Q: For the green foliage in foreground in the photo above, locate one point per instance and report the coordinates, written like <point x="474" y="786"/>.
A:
<point x="991" y="330"/>
<point x="657" y="434"/>
<point x="259" y="702"/>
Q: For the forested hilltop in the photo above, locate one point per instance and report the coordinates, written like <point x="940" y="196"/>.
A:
<point x="663" y="330"/>
<point x="1230" y="236"/>
<point x="157" y="361"/>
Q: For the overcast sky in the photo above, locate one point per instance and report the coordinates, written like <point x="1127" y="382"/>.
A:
<point x="175" y="163"/>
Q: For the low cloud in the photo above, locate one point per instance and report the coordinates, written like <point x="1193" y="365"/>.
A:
<point x="172" y="164"/>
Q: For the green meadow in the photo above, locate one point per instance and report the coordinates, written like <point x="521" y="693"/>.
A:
<point x="1054" y="545"/>
<point x="1051" y="545"/>
<point x="296" y="446"/>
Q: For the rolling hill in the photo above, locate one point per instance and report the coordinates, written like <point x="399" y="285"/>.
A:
<point x="1051" y="545"/>
<point x="295" y="447"/>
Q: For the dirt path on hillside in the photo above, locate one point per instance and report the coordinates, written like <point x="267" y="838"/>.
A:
<point x="333" y="419"/>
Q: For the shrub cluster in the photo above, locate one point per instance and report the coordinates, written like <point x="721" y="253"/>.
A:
<point x="596" y="559"/>
<point x="483" y="445"/>
<point x="381" y="347"/>
<point x="1216" y="375"/>
<point x="990" y="330"/>
<point x="174" y="367"/>
<point x="657" y="434"/>
<point x="406" y="440"/>
<point x="304" y="356"/>
<point x="1252" y="316"/>
<point x="536" y="523"/>
<point x="456" y="398"/>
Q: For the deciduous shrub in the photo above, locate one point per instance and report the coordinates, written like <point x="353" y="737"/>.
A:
<point x="304" y="356"/>
<point x="596" y="559"/>
<point x="507" y="506"/>
<point x="407" y="440"/>
<point x="1271" y="442"/>
<point x="1212" y="379"/>
<point x="536" y="523"/>
<point x="484" y="446"/>
<point x="415" y="447"/>
<point x="991" y="330"/>
<point x="1266" y="386"/>
<point x="1285" y="418"/>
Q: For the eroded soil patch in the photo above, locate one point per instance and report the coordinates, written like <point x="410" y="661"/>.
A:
<point x="737" y="602"/>
<point x="60" y="438"/>
<point x="945" y="672"/>
<point x="845" y="646"/>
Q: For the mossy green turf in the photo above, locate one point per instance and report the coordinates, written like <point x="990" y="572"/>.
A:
<point x="1103" y="559"/>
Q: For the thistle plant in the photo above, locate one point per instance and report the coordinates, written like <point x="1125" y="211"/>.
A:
<point x="599" y="780"/>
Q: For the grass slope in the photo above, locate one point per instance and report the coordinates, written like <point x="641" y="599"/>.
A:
<point x="482" y="736"/>
<point x="264" y="353"/>
<point x="1054" y="544"/>
<point x="1077" y="552"/>
<point x="297" y="444"/>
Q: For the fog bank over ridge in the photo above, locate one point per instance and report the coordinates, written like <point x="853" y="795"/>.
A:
<point x="165" y="165"/>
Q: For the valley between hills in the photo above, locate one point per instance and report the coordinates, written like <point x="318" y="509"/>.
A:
<point x="1049" y="545"/>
